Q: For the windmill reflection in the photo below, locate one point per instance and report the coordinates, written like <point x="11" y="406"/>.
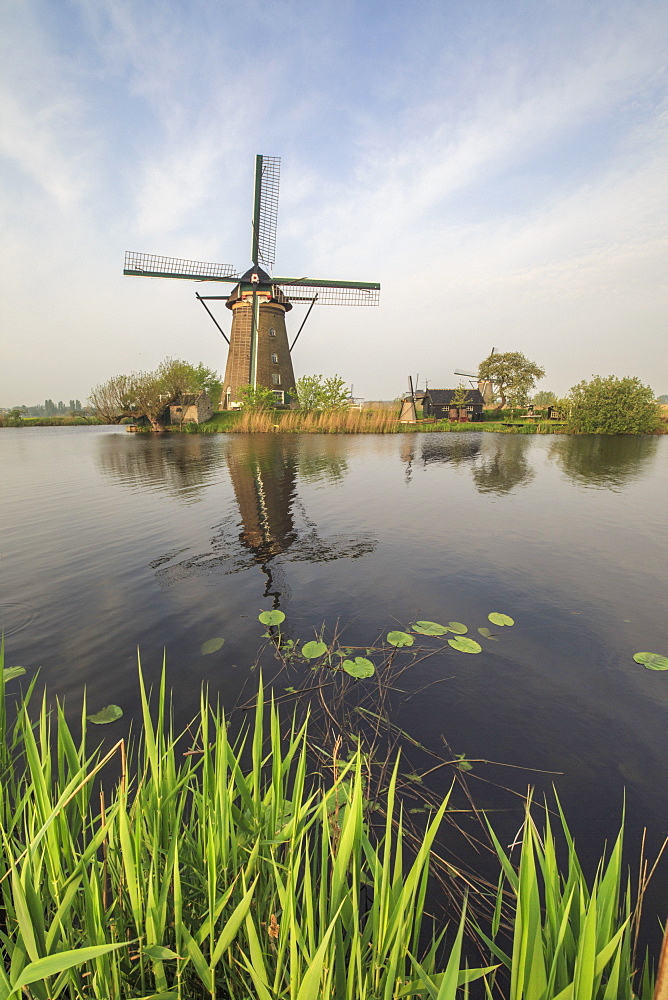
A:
<point x="272" y="526"/>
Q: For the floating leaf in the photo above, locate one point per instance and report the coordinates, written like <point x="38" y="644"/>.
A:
<point x="465" y="645"/>
<point x="653" y="661"/>
<point x="291" y="690"/>
<point x="359" y="667"/>
<point x="312" y="650"/>
<point x="462" y="763"/>
<point x="497" y="618"/>
<point x="400" y="639"/>
<point x="429" y="628"/>
<point x="271" y="617"/>
<point x="10" y="672"/>
<point x="110" y="713"/>
<point x="457" y="627"/>
<point x="211" y="645"/>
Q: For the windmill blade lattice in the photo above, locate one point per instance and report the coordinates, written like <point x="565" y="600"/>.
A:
<point x="265" y="211"/>
<point x="150" y="265"/>
<point x="330" y="293"/>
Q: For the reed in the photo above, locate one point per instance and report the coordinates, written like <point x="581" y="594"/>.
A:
<point x="347" y="421"/>
<point x="201" y="866"/>
<point x="214" y="868"/>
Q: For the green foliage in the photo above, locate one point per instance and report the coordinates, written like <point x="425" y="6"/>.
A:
<point x="465" y="645"/>
<point x="612" y="406"/>
<point x="400" y="639"/>
<point x="497" y="618"/>
<point x="256" y="399"/>
<point x="653" y="661"/>
<point x="233" y="870"/>
<point x="571" y="940"/>
<point x="318" y="394"/>
<point x="359" y="667"/>
<point x="544" y="398"/>
<point x="271" y="617"/>
<point x="110" y="713"/>
<point x="212" y="645"/>
<point x="512" y="375"/>
<point x="149" y="394"/>
<point x="461" y="396"/>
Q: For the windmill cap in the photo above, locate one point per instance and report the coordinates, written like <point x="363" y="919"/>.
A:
<point x="264" y="278"/>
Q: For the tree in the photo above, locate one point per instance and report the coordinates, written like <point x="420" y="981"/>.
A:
<point x="258" y="398"/>
<point x="461" y="396"/>
<point x="662" y="399"/>
<point x="110" y="401"/>
<point x="149" y="394"/>
<point x="512" y="375"/>
<point x="612" y="406"/>
<point x="316" y="393"/>
<point x="544" y="398"/>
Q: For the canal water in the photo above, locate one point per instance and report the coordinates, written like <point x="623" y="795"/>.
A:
<point x="115" y="543"/>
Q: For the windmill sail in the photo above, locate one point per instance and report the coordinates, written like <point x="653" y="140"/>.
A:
<point x="330" y="293"/>
<point x="265" y="209"/>
<point x="150" y="265"/>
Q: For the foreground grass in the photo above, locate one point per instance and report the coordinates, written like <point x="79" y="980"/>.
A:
<point x="210" y="868"/>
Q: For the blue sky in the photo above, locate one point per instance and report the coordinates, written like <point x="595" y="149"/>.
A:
<point x="499" y="166"/>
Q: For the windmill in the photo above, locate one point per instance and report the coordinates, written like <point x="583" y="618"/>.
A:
<point x="484" y="385"/>
<point x="259" y="354"/>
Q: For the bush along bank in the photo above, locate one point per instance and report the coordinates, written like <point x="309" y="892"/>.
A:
<point x="220" y="868"/>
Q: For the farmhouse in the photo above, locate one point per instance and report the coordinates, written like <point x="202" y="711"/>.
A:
<point x="439" y="403"/>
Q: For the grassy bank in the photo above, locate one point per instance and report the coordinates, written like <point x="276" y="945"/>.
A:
<point x="64" y="421"/>
<point x="365" y="421"/>
<point x="198" y="866"/>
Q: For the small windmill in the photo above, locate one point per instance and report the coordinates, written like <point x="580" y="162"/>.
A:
<point x="408" y="414"/>
<point x="259" y="354"/>
<point x="484" y="385"/>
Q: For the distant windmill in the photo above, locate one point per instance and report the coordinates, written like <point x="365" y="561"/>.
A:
<point x="408" y="414"/>
<point x="484" y="385"/>
<point x="259" y="354"/>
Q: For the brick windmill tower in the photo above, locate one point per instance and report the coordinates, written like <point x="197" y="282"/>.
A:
<point x="259" y="353"/>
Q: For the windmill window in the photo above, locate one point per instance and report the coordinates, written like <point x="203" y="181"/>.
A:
<point x="272" y="332"/>
<point x="274" y="358"/>
<point x="276" y="379"/>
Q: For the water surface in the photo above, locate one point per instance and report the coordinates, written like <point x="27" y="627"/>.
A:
<point x="116" y="542"/>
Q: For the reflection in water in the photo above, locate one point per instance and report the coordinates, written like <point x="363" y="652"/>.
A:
<point x="450" y="448"/>
<point x="181" y="465"/>
<point x="603" y="461"/>
<point x="263" y="471"/>
<point x="503" y="464"/>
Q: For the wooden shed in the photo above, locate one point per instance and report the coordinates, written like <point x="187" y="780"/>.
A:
<point x="439" y="403"/>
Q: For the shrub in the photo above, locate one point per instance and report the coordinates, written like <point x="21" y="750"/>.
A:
<point x="612" y="406"/>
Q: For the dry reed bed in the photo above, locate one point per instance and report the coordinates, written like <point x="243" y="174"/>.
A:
<point x="335" y="422"/>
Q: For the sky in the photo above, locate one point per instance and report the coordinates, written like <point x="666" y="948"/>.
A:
<point x="499" y="166"/>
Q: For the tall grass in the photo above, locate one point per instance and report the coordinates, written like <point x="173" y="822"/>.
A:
<point x="349" y="421"/>
<point x="212" y="869"/>
<point x="205" y="867"/>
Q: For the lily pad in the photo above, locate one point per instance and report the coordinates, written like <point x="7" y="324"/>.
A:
<point x="488" y="634"/>
<point x="400" y="639"/>
<point x="497" y="618"/>
<point x="359" y="667"/>
<point x="457" y="627"/>
<point x="465" y="645"/>
<point x="312" y="650"/>
<point x="429" y="628"/>
<point x="653" y="661"/>
<point x="462" y="763"/>
<point x="110" y="713"/>
<point x="211" y="645"/>
<point x="271" y="617"/>
<point x="10" y="672"/>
